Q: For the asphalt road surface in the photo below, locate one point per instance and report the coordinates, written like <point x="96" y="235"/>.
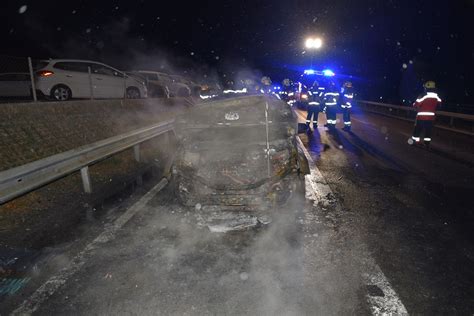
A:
<point x="393" y="234"/>
<point x="413" y="208"/>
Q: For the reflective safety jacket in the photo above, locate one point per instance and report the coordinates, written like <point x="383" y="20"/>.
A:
<point x="331" y="97"/>
<point x="347" y="95"/>
<point x="426" y="106"/>
<point x="316" y="96"/>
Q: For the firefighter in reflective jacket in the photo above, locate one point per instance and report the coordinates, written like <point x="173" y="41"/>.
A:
<point x="347" y="95"/>
<point x="426" y="106"/>
<point x="331" y="98"/>
<point x="314" y="106"/>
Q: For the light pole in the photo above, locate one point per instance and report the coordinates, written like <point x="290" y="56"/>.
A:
<point x="313" y="44"/>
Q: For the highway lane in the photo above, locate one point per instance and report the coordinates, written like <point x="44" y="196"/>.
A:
<point x="412" y="207"/>
<point x="406" y="209"/>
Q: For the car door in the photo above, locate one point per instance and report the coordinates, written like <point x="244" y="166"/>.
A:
<point x="169" y="82"/>
<point x="108" y="82"/>
<point x="75" y="75"/>
<point x="153" y="84"/>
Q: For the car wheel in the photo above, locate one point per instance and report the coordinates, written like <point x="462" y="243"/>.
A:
<point x="61" y="93"/>
<point x="183" y="93"/>
<point x="133" y="93"/>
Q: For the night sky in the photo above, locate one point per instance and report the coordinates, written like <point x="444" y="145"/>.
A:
<point x="388" y="47"/>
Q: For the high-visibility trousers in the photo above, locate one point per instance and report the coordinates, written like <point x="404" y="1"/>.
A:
<point x="422" y="128"/>
<point x="331" y="112"/>
<point x="313" y="112"/>
<point x="346" y="113"/>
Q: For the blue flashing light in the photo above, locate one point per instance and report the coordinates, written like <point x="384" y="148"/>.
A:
<point x="310" y="72"/>
<point x="328" y="73"/>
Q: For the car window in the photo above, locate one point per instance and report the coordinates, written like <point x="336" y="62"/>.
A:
<point x="165" y="77"/>
<point x="106" y="71"/>
<point x="72" y="66"/>
<point x="102" y="70"/>
<point x="151" y="76"/>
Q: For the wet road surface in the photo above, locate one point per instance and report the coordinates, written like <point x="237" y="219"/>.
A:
<point x="404" y="210"/>
<point x="412" y="207"/>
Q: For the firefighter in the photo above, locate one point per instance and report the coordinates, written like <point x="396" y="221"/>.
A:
<point x="266" y="85"/>
<point x="331" y="98"/>
<point x="347" y="95"/>
<point x="426" y="106"/>
<point x="314" y="106"/>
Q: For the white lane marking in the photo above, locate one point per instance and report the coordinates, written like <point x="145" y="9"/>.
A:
<point x="389" y="303"/>
<point x="318" y="190"/>
<point x="30" y="305"/>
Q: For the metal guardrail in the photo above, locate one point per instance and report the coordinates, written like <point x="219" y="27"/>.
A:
<point x="456" y="122"/>
<point x="23" y="179"/>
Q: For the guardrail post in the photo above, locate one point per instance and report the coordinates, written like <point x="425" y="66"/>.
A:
<point x="32" y="78"/>
<point x="451" y="122"/>
<point x="136" y="152"/>
<point x="86" y="180"/>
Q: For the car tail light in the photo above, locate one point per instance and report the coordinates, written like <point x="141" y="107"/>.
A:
<point x="44" y="73"/>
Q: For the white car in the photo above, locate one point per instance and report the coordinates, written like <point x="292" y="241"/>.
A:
<point x="15" y="85"/>
<point x="64" y="79"/>
<point x="176" y="88"/>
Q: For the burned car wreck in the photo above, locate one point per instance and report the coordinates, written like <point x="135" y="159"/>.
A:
<point x="237" y="161"/>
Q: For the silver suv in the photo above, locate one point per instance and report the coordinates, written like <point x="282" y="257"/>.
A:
<point x="176" y="88"/>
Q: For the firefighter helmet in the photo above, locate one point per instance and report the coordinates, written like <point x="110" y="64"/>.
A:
<point x="266" y="81"/>
<point x="430" y="85"/>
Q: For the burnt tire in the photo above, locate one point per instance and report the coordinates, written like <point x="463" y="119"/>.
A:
<point x="61" y="93"/>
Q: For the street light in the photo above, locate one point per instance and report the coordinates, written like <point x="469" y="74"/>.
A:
<point x="314" y="43"/>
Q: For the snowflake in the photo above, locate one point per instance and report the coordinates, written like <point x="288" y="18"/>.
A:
<point x="23" y="9"/>
<point x="405" y="66"/>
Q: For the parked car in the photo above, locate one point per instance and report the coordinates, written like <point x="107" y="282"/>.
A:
<point x="194" y="87"/>
<point x="176" y="88"/>
<point x="15" y="85"/>
<point x="64" y="79"/>
<point x="155" y="88"/>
